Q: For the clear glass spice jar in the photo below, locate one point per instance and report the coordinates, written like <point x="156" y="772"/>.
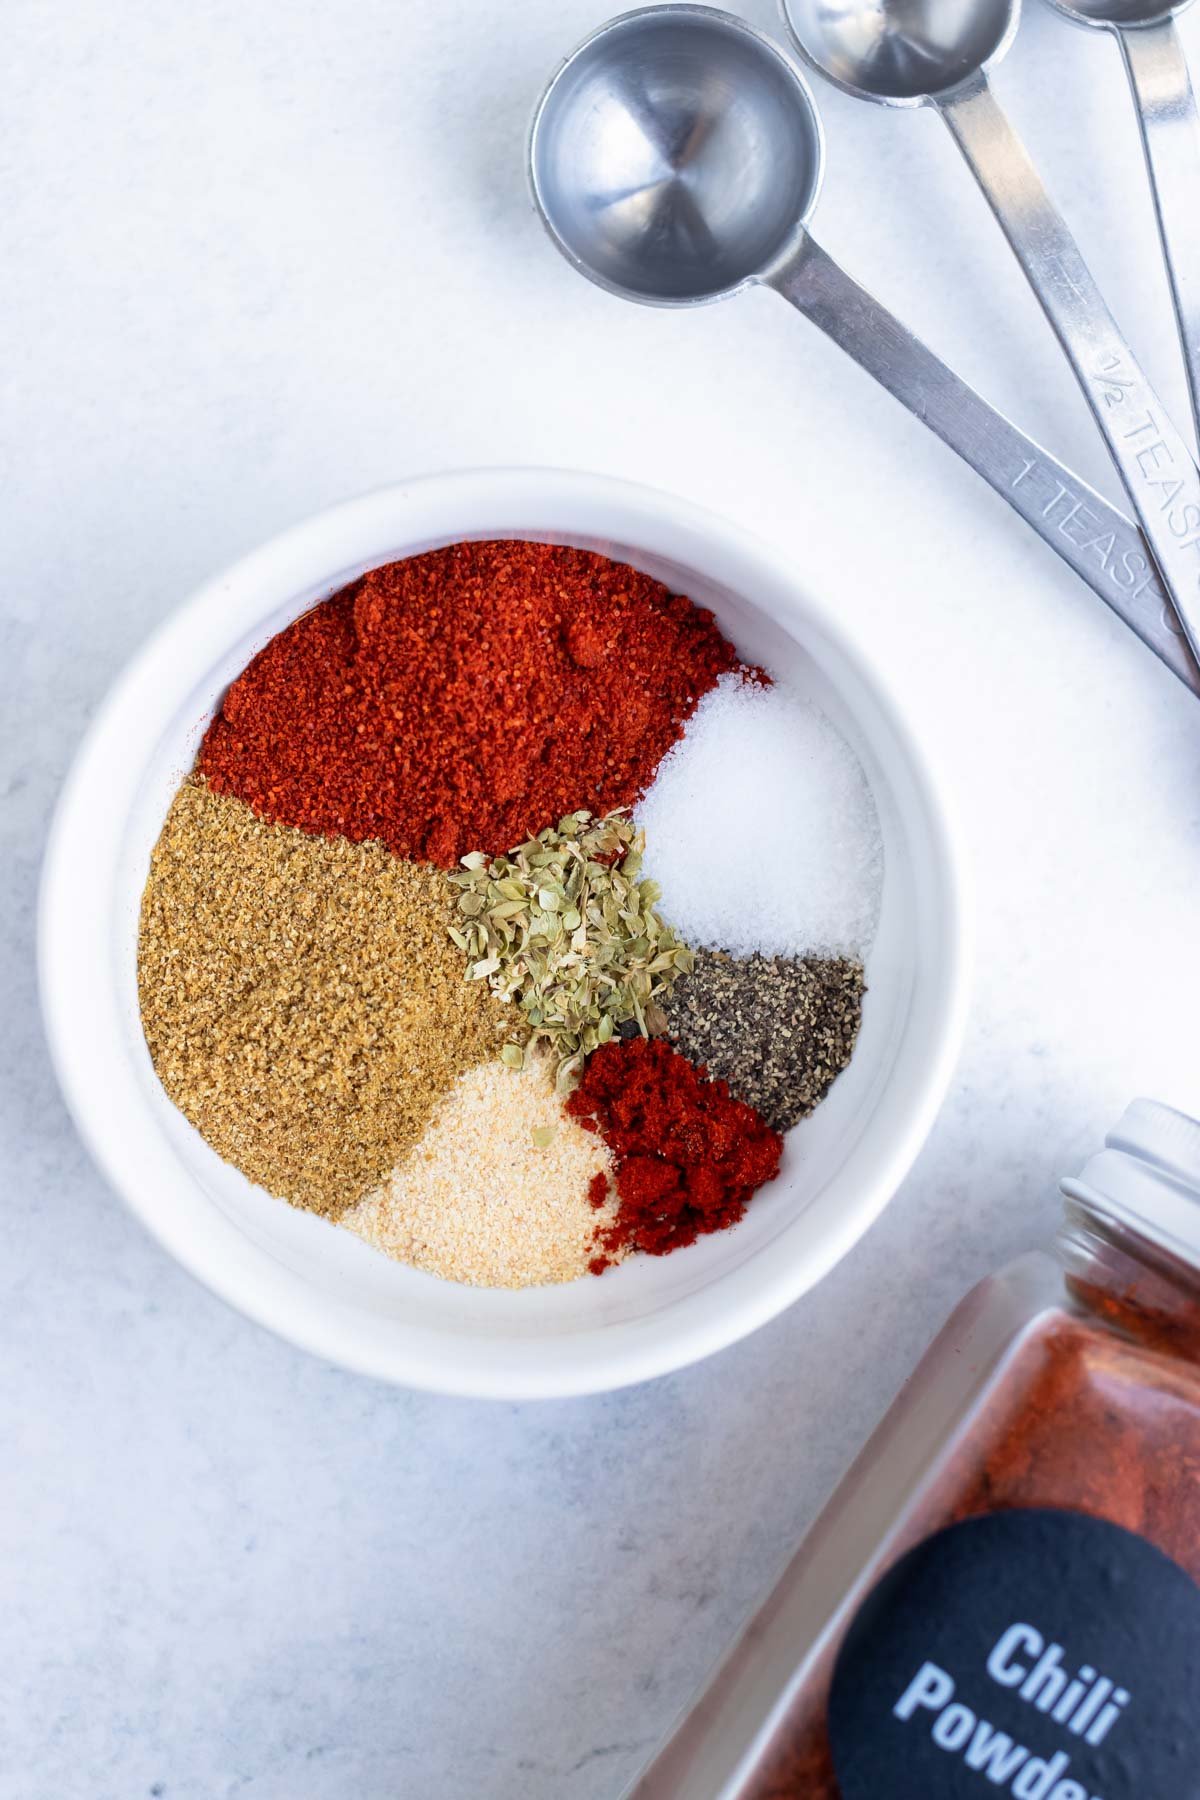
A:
<point x="1001" y="1596"/>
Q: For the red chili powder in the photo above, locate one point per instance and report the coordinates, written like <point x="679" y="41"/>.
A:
<point x="1082" y="1420"/>
<point x="1095" y="1412"/>
<point x="464" y="699"/>
<point x="688" y="1155"/>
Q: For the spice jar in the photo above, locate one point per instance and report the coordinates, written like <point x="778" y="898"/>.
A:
<point x="1001" y="1597"/>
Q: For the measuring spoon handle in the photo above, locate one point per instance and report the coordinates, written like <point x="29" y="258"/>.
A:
<point x="1158" y="74"/>
<point x="1098" y="542"/>
<point x="1154" y="463"/>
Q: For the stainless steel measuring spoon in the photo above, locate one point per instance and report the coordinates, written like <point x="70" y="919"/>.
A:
<point x="1166" y="108"/>
<point x="676" y="158"/>
<point x="935" y="53"/>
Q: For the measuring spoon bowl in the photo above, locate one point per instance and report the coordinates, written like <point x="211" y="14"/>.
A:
<point x="671" y="159"/>
<point x="1114" y="14"/>
<point x="901" y="52"/>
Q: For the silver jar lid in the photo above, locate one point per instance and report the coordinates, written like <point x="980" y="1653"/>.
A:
<point x="1147" y="1178"/>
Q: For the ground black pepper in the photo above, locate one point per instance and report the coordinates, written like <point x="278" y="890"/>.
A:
<point x="778" y="1029"/>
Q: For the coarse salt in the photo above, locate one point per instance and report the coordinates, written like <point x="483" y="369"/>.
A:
<point x="761" y="829"/>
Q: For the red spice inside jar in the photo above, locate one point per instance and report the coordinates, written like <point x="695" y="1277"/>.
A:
<point x="688" y="1155"/>
<point x="1083" y="1420"/>
<point x="464" y="699"/>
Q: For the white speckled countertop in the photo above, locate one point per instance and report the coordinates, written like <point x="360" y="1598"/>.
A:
<point x="258" y="256"/>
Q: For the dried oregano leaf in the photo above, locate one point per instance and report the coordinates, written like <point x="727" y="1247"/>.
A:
<point x="565" y="928"/>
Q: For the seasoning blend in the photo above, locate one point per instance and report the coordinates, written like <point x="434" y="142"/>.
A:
<point x="1002" y="1597"/>
<point x="400" y="903"/>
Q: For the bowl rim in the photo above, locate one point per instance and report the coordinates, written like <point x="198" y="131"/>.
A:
<point x="625" y="1352"/>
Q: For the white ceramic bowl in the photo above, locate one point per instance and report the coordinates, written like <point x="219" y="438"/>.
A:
<point x="323" y="1288"/>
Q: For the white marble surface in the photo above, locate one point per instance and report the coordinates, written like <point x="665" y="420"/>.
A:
<point x="257" y="256"/>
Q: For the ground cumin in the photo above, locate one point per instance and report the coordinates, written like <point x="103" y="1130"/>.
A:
<point x="302" y="1002"/>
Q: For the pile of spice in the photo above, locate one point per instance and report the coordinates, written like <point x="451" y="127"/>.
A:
<point x="301" y="998"/>
<point x="406" y="959"/>
<point x="688" y="1155"/>
<point x="566" y="928"/>
<point x="465" y="699"/>
<point x="762" y="831"/>
<point x="779" y="1030"/>
<point x="498" y="1191"/>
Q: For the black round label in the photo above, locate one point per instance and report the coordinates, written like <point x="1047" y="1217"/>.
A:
<point x="1043" y="1655"/>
